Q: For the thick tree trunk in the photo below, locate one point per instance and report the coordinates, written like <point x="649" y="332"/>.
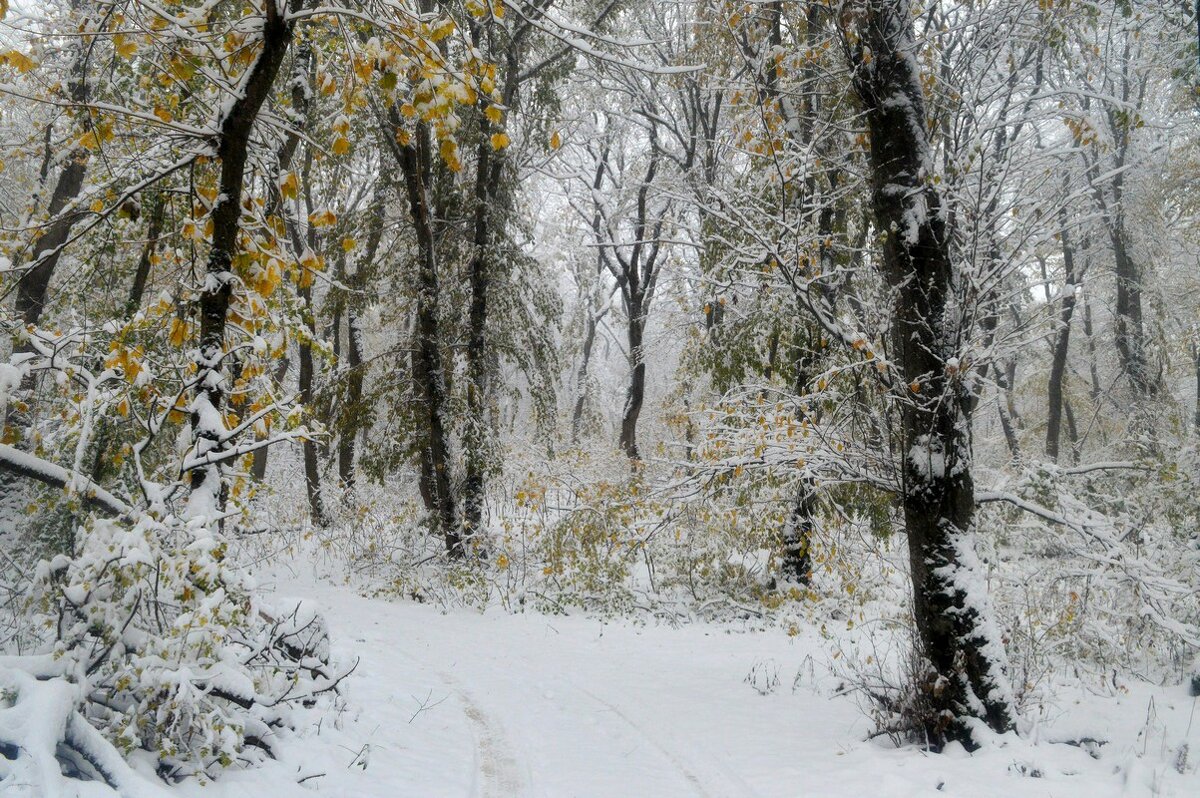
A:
<point x="414" y="160"/>
<point x="233" y="140"/>
<point x="796" y="562"/>
<point x="488" y="167"/>
<point x="965" y="678"/>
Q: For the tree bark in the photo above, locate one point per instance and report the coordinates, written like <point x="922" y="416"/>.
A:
<point x="355" y="376"/>
<point x="414" y="161"/>
<point x="142" y="274"/>
<point x="1062" y="344"/>
<point x="635" y="394"/>
<point x="1129" y="327"/>
<point x="260" y="459"/>
<point x="965" y="675"/>
<point x="233" y="141"/>
<point x="34" y="283"/>
<point x="1196" y="362"/>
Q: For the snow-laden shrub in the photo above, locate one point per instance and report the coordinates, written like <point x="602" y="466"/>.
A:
<point x="167" y="650"/>
<point x="1101" y="566"/>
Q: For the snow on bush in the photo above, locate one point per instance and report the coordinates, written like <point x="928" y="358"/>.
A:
<point x="153" y="640"/>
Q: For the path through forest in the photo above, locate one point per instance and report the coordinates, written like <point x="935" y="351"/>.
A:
<point x="496" y="705"/>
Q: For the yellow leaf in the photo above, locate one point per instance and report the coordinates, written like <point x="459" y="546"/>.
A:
<point x="348" y="244"/>
<point x="162" y="113"/>
<point x="555" y="140"/>
<point x="310" y="260"/>
<point x="341" y="146"/>
<point x="18" y="61"/>
<point x="289" y="186"/>
<point x="90" y="140"/>
<point x="494" y="114"/>
<point x="124" y="47"/>
<point x="323" y="218"/>
<point x="97" y="206"/>
<point x="178" y="332"/>
<point x="499" y="141"/>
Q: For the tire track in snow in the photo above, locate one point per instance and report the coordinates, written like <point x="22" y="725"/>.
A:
<point x="499" y="775"/>
<point x="678" y="764"/>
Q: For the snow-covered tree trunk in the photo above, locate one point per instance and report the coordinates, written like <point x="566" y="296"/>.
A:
<point x="965" y="679"/>
<point x="208" y="424"/>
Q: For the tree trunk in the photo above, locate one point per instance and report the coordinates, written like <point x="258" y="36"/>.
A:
<point x="489" y="165"/>
<point x="1093" y="366"/>
<point x="157" y="211"/>
<point x="1196" y="361"/>
<point x="34" y="283"/>
<point x="1130" y="332"/>
<point x="796" y="565"/>
<point x="636" y="393"/>
<point x="581" y="377"/>
<point x="414" y="161"/>
<point x="258" y="464"/>
<point x="312" y="469"/>
<point x="1062" y="344"/>
<point x="965" y="675"/>
<point x="348" y="441"/>
<point x="233" y="140"/>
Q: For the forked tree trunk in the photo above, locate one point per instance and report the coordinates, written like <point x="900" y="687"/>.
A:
<point x="965" y="678"/>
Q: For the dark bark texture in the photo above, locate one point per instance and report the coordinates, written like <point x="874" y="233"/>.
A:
<point x="233" y="142"/>
<point x="963" y="678"/>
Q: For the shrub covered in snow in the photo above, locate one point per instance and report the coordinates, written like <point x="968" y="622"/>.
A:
<point x="162" y="646"/>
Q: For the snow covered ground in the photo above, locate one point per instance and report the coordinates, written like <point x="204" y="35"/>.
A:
<point x="492" y="704"/>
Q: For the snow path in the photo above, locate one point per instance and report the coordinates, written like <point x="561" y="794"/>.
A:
<point x="491" y="705"/>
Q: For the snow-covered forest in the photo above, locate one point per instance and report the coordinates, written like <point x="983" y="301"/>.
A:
<point x="599" y="398"/>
